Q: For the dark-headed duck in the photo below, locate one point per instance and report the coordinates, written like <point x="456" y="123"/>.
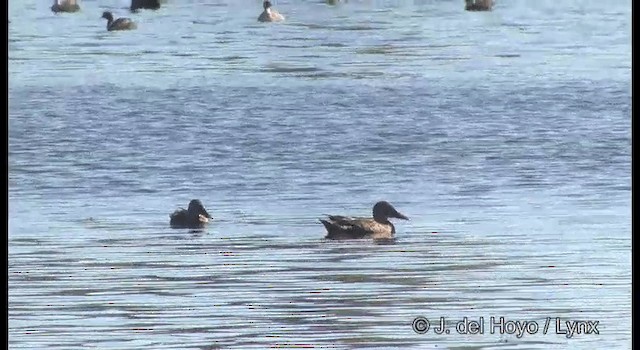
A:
<point x="118" y="24"/>
<point x="195" y="216"/>
<point x="378" y="227"/>
<point x="269" y="14"/>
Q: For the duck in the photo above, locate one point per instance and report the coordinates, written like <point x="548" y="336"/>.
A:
<point x="195" y="216"/>
<point x="378" y="227"/>
<point x="269" y="14"/>
<point x="118" y="24"/>
<point x="65" y="6"/>
<point x="144" y="4"/>
<point x="478" y="5"/>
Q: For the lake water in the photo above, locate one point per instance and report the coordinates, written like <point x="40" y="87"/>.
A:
<point x="505" y="136"/>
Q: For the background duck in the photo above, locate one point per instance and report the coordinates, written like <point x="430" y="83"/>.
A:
<point x="195" y="216"/>
<point x="378" y="227"/>
<point x="478" y="5"/>
<point x="144" y="4"/>
<point x="269" y="14"/>
<point x="118" y="24"/>
<point x="65" y="6"/>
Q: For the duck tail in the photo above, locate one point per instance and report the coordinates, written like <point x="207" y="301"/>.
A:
<point x="327" y="224"/>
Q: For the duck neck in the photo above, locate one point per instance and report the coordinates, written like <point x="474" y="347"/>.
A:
<point x="381" y="219"/>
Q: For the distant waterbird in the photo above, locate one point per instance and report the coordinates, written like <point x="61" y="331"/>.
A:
<point x="144" y="4"/>
<point x="269" y="14"/>
<point x="478" y="5"/>
<point x="65" y="6"/>
<point x="118" y="24"/>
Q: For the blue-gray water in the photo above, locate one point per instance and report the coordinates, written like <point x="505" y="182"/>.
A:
<point x="505" y="137"/>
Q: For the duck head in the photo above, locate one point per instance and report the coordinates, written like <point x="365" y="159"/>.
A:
<point x="266" y="4"/>
<point x="107" y="15"/>
<point x="383" y="210"/>
<point x="196" y="207"/>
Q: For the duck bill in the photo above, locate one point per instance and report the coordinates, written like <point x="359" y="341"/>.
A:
<point x="400" y="216"/>
<point x="205" y="214"/>
<point x="203" y="218"/>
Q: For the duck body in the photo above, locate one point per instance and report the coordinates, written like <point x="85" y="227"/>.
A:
<point x="144" y="4"/>
<point x="195" y="216"/>
<point x="345" y="227"/>
<point x="118" y="24"/>
<point x="478" y="5"/>
<point x="65" y="6"/>
<point x="269" y="14"/>
<point x="379" y="227"/>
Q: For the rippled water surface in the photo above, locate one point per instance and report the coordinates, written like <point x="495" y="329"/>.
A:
<point x="505" y="137"/>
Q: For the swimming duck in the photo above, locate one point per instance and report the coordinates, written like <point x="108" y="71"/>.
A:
<point x="65" y="6"/>
<point x="144" y="4"/>
<point x="378" y="227"/>
<point x="478" y="5"/>
<point x="118" y="24"/>
<point x="269" y="14"/>
<point x="195" y="216"/>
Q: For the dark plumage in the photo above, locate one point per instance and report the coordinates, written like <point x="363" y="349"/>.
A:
<point x="195" y="216"/>
<point x="145" y="4"/>
<point x="65" y="6"/>
<point x="378" y="227"/>
<point x="478" y="5"/>
<point x="118" y="24"/>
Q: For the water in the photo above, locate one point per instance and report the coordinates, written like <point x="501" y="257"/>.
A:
<point x="504" y="136"/>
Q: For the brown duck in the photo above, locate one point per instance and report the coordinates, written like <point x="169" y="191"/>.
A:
<point x="478" y="5"/>
<point x="195" y="216"/>
<point x="378" y="227"/>
<point x="65" y="6"/>
<point x="269" y="14"/>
